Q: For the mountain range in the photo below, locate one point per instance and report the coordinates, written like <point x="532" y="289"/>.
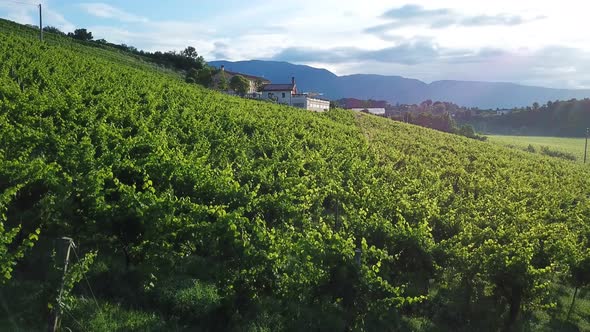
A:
<point x="397" y="89"/>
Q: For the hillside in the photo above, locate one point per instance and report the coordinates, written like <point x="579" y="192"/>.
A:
<point x="396" y="89"/>
<point x="193" y="210"/>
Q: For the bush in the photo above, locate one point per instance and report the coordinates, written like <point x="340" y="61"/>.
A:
<point x="189" y="297"/>
<point x="111" y="317"/>
<point x="531" y="149"/>
<point x="558" y="154"/>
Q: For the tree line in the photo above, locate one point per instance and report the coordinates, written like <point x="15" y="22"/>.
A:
<point x="568" y="118"/>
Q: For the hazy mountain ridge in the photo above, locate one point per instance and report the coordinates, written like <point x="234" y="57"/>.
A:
<point x="397" y="89"/>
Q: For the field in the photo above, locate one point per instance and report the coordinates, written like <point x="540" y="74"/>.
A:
<point x="195" y="211"/>
<point x="574" y="146"/>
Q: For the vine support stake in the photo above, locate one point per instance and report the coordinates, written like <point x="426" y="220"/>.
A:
<point x="68" y="244"/>
<point x="586" y="145"/>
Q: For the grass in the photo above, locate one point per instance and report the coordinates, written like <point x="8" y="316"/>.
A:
<point x="574" y="146"/>
<point x="556" y="319"/>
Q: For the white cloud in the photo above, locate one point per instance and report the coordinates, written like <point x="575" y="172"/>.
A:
<point x="29" y="14"/>
<point x="103" y="10"/>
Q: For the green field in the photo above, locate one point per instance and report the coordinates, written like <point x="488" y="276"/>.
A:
<point x="571" y="145"/>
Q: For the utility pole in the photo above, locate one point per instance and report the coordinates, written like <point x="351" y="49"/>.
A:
<point x="586" y="145"/>
<point x="40" y="22"/>
<point x="66" y="241"/>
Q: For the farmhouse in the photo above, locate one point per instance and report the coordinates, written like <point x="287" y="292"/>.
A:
<point x="287" y="94"/>
<point x="281" y="93"/>
<point x="226" y="75"/>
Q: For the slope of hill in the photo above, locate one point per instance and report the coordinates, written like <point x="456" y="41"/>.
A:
<point x="193" y="210"/>
<point x="396" y="89"/>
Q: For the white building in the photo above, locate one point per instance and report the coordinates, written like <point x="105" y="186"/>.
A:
<point x="309" y="103"/>
<point x="287" y="94"/>
<point x="376" y="111"/>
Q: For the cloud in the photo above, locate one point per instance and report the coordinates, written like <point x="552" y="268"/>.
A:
<point x="104" y="10"/>
<point x="415" y="11"/>
<point x="30" y="15"/>
<point x="415" y="15"/>
<point x="220" y="50"/>
<point x="412" y="52"/>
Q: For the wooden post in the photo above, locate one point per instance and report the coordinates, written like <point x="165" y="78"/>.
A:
<point x="40" y="22"/>
<point x="57" y="311"/>
<point x="586" y="145"/>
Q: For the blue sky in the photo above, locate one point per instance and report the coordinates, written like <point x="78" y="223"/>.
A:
<point x="530" y="42"/>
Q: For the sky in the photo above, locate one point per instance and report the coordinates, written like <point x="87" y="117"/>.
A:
<point x="541" y="42"/>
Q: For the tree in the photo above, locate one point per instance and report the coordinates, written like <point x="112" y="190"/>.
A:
<point x="55" y="30"/>
<point x="205" y="77"/>
<point x="190" y="52"/>
<point x="239" y="84"/>
<point x="259" y="85"/>
<point x="223" y="84"/>
<point x="81" y="34"/>
<point x="191" y="76"/>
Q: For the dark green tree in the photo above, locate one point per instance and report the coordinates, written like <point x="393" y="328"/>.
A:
<point x="239" y="84"/>
<point x="190" y="52"/>
<point x="223" y="85"/>
<point x="81" y="34"/>
<point x="259" y="85"/>
<point x="205" y="77"/>
<point x="55" y="30"/>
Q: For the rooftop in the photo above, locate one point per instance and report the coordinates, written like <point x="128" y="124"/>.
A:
<point x="278" y="87"/>
<point x="250" y="77"/>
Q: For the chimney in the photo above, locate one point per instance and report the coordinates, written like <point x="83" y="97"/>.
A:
<point x="293" y="80"/>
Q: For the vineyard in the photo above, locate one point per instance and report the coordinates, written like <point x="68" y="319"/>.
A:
<point x="196" y="211"/>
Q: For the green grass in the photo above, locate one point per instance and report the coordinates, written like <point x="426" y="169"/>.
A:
<point x="555" y="319"/>
<point x="571" y="145"/>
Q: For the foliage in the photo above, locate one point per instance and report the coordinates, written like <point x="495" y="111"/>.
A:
<point x="52" y="29"/>
<point x="558" y="154"/>
<point x="559" y="118"/>
<point x="212" y="212"/>
<point x="239" y="84"/>
<point x="81" y="34"/>
<point x="203" y="77"/>
<point x="10" y="250"/>
<point x="223" y="84"/>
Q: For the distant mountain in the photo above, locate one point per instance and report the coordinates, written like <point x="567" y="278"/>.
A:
<point x="397" y="89"/>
